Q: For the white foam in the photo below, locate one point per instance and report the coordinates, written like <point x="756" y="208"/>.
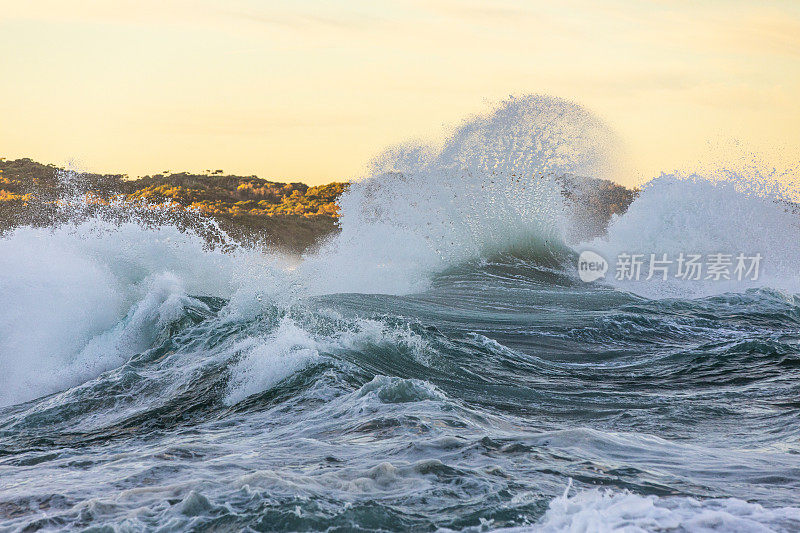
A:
<point x="263" y="362"/>
<point x="268" y="361"/>
<point x="79" y="300"/>
<point x="608" y="511"/>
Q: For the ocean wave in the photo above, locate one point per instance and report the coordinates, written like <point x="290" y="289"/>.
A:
<point x="79" y="300"/>
<point x="437" y="365"/>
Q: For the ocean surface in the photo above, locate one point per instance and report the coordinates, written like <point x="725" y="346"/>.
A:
<point x="437" y="366"/>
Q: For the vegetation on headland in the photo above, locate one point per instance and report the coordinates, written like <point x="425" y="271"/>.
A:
<point x="291" y="216"/>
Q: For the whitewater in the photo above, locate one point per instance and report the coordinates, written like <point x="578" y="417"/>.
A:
<point x="437" y="365"/>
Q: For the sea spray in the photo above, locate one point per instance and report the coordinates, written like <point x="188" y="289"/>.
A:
<point x="492" y="186"/>
<point x="724" y="213"/>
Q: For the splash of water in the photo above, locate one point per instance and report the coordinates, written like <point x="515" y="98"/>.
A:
<point x="727" y="213"/>
<point x="490" y="187"/>
<point x="78" y="300"/>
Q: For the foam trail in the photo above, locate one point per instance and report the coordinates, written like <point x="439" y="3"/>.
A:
<point x="596" y="510"/>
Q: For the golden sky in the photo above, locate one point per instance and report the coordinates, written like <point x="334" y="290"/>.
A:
<point x="310" y="90"/>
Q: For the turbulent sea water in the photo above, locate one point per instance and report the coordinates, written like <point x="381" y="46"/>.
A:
<point x="438" y="365"/>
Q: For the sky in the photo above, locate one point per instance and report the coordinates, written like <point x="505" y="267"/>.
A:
<point x="311" y="90"/>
